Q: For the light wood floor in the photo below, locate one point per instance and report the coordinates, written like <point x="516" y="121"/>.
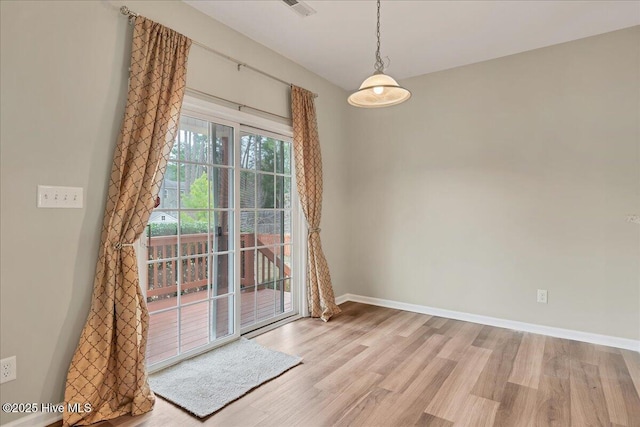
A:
<point x="374" y="366"/>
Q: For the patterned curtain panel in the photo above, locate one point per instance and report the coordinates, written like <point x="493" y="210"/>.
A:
<point x="308" y="158"/>
<point x="108" y="368"/>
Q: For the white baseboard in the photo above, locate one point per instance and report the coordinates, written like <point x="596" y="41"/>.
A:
<point x="343" y="298"/>
<point x="607" y="340"/>
<point x="38" y="419"/>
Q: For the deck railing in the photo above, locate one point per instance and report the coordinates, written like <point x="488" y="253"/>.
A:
<point x="261" y="266"/>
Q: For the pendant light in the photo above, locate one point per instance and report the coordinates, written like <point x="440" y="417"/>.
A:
<point x="379" y="90"/>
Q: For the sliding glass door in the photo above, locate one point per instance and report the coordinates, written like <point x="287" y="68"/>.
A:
<point x="217" y="255"/>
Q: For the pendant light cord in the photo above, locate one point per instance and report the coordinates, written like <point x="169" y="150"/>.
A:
<point x="379" y="65"/>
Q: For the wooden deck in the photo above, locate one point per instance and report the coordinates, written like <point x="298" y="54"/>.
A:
<point x="194" y="320"/>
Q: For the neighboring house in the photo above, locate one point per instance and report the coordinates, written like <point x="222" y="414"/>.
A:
<point x="159" y="217"/>
<point x="169" y="193"/>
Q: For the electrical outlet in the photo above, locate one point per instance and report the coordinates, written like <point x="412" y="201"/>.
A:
<point x="8" y="369"/>
<point x="542" y="296"/>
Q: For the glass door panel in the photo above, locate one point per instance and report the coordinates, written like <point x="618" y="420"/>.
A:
<point x="190" y="245"/>
<point x="265" y="222"/>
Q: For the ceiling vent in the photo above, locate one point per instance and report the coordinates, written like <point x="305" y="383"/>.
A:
<point x="299" y="7"/>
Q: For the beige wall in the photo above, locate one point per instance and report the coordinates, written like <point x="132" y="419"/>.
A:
<point x="64" y="76"/>
<point x="503" y="177"/>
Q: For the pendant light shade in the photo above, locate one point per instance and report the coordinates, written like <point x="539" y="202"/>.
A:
<point x="379" y="90"/>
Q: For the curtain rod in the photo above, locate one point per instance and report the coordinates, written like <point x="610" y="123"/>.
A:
<point x="132" y="16"/>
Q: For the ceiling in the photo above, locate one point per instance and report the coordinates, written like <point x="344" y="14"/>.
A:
<point x="338" y="42"/>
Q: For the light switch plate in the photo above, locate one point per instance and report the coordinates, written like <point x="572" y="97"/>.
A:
<point x="60" y="197"/>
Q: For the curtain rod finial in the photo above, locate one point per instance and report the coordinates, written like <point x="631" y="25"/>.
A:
<point x="127" y="12"/>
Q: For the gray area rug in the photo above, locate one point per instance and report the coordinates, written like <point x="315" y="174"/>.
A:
<point x="212" y="380"/>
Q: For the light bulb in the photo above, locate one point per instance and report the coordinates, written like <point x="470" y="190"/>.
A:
<point x="378" y="90"/>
